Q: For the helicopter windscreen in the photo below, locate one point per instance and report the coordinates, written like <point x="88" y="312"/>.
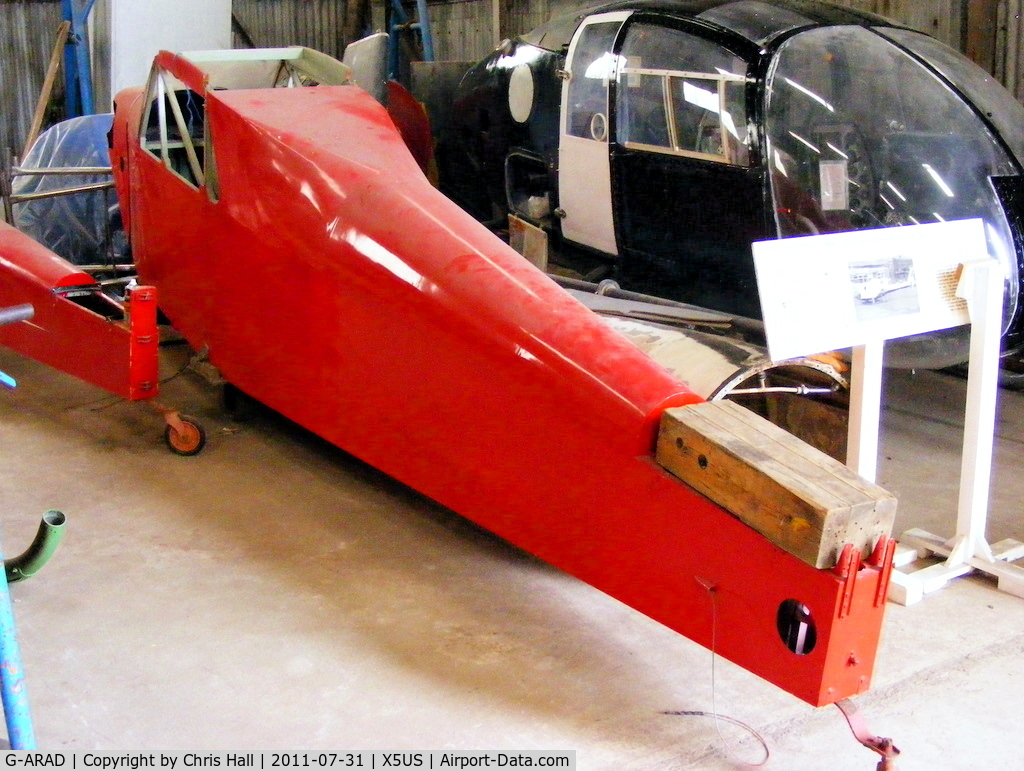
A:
<point x="862" y="135"/>
<point x="987" y="93"/>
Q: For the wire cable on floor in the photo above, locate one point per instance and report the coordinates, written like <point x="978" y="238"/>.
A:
<point x="713" y="593"/>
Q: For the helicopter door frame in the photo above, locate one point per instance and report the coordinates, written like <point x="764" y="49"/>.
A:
<point x="584" y="166"/>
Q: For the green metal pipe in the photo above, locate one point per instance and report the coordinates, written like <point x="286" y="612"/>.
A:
<point x="47" y="539"/>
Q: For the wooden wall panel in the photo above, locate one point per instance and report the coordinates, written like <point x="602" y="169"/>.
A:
<point x="312" y="23"/>
<point x="991" y="31"/>
<point x="1009" y="46"/>
<point x="28" y="29"/>
<point x="942" y="19"/>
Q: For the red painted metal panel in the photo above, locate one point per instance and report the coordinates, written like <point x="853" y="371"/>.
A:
<point x="331" y="282"/>
<point x="28" y="261"/>
<point x="63" y="334"/>
<point x="143" y="343"/>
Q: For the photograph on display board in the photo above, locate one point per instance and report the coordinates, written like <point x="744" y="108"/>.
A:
<point x="884" y="287"/>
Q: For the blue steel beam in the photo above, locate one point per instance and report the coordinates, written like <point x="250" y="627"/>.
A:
<point x="77" y="70"/>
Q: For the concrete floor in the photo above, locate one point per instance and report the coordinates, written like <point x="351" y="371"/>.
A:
<point x="274" y="593"/>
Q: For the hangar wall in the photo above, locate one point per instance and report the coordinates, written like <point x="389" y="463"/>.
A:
<point x="990" y="31"/>
<point x="27" y="33"/>
<point x="1008" y="55"/>
<point x="268" y="23"/>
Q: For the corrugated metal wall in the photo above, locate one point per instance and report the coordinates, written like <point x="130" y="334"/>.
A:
<point x="1009" y="53"/>
<point x="28" y="29"/>
<point x="463" y="30"/>
<point x="942" y="19"/>
<point x="271" y="23"/>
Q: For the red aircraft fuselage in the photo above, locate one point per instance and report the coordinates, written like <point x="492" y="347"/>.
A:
<point x="291" y="234"/>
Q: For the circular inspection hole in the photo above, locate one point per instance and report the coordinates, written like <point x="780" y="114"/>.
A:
<point x="796" y="627"/>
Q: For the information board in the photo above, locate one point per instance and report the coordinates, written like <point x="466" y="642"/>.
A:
<point x="829" y="292"/>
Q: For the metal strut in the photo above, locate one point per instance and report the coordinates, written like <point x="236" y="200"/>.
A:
<point x="882" y="746"/>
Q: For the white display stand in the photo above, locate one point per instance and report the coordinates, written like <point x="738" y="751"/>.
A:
<point x="811" y="278"/>
<point x="981" y="284"/>
<point x="865" y="409"/>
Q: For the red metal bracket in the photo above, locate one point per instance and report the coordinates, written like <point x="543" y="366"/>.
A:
<point x="849" y="565"/>
<point x="881" y="558"/>
<point x="143" y="343"/>
<point x="846" y="568"/>
<point x="882" y="746"/>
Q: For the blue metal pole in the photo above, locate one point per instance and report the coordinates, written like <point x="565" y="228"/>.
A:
<point x="84" y="58"/>
<point x="12" y="680"/>
<point x="71" y="101"/>
<point x="425" y="34"/>
<point x="398" y="19"/>
<point x="77" y="69"/>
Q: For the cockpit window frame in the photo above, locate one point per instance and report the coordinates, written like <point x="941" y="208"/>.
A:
<point x="730" y="147"/>
<point x="733" y="151"/>
<point x="175" y="136"/>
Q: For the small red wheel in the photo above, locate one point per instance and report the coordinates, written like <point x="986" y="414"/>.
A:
<point x="189" y="440"/>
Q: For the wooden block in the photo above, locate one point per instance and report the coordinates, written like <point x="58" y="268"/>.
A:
<point x="529" y="240"/>
<point x="798" y="497"/>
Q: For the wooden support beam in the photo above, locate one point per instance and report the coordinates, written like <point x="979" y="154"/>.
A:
<point x="796" y="496"/>
<point x="47" y="89"/>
